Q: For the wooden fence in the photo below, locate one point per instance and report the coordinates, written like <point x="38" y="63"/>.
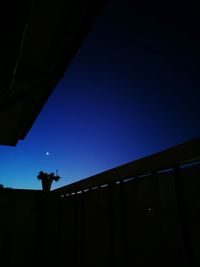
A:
<point x="146" y="212"/>
<point x="143" y="213"/>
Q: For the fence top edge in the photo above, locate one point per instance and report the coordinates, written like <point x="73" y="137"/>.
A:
<point x="180" y="154"/>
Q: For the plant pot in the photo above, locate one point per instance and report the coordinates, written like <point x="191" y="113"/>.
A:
<point x="46" y="185"/>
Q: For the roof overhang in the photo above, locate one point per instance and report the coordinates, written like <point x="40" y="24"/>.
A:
<point x="39" y="40"/>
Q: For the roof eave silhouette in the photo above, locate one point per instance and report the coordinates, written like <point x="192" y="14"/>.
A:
<point x="40" y="38"/>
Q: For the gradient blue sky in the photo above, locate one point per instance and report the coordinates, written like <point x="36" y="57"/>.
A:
<point x="120" y="100"/>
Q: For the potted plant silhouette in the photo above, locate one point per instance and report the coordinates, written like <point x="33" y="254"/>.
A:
<point x="47" y="179"/>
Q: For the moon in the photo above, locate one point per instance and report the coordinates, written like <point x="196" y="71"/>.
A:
<point x="47" y="153"/>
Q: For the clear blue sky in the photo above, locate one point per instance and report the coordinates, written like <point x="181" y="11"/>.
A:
<point x="125" y="95"/>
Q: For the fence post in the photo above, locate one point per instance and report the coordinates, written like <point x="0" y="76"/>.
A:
<point x="183" y="216"/>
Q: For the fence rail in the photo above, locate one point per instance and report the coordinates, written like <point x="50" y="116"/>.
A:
<point x="141" y="213"/>
<point x="176" y="156"/>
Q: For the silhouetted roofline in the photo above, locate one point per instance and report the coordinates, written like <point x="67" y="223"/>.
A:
<point x="40" y="38"/>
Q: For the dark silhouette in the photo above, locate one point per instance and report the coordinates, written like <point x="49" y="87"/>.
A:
<point x="47" y="179"/>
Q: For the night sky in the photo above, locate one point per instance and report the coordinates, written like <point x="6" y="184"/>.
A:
<point x="131" y="90"/>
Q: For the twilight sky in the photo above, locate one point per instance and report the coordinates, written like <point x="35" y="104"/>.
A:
<point x="131" y="90"/>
